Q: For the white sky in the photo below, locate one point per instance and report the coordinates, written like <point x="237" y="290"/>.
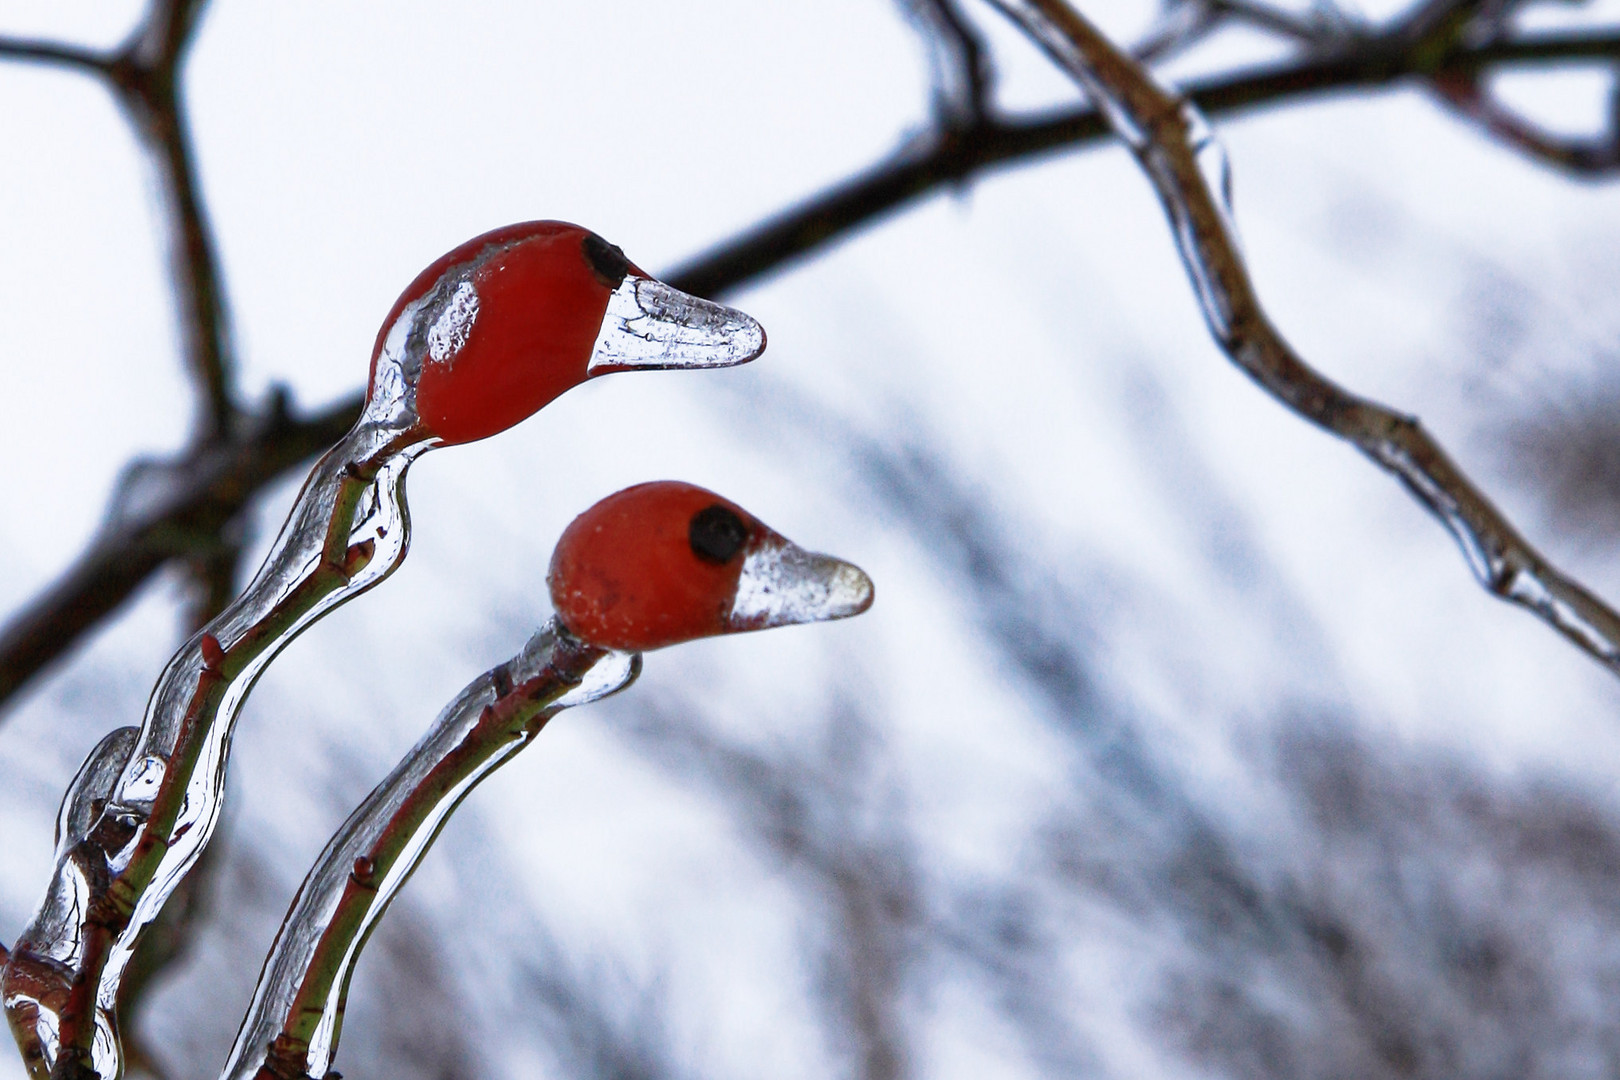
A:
<point x="343" y="147"/>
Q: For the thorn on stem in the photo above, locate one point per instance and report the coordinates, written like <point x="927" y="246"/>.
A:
<point x="364" y="873"/>
<point x="358" y="556"/>
<point x="213" y="655"/>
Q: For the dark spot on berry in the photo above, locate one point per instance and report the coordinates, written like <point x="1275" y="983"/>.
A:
<point x="607" y="260"/>
<point x="716" y="534"/>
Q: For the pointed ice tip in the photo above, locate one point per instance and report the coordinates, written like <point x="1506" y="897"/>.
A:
<point x="652" y="326"/>
<point x="782" y="585"/>
<point x="849" y="590"/>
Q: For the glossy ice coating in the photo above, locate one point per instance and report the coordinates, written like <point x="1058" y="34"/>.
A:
<point x="666" y="562"/>
<point x="503" y="324"/>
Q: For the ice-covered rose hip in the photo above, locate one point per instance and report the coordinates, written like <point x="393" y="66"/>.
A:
<point x="666" y="562"/>
<point x="505" y="323"/>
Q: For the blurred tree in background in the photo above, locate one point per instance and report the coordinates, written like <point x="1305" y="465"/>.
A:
<point x="1177" y="744"/>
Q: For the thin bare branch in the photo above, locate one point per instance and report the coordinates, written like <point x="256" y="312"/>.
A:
<point x="1593" y="157"/>
<point x="1274" y="20"/>
<point x="146" y="77"/>
<point x="1537" y="49"/>
<point x="961" y="70"/>
<point x="166" y="32"/>
<point x="53" y="53"/>
<point x="1172" y="144"/>
<point x="1435" y="27"/>
<point x="1183" y="24"/>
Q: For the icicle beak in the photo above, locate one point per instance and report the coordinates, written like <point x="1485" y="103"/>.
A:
<point x="651" y="326"/>
<point x="782" y="585"/>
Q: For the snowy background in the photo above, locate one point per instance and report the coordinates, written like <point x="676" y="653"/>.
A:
<point x="1179" y="741"/>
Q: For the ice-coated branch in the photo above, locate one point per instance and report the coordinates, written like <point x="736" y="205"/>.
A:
<point x="293" y="1025"/>
<point x="1186" y="166"/>
<point x="651" y="566"/>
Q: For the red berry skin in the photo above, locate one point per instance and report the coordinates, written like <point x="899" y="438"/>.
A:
<point x="539" y="308"/>
<point x="625" y="575"/>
